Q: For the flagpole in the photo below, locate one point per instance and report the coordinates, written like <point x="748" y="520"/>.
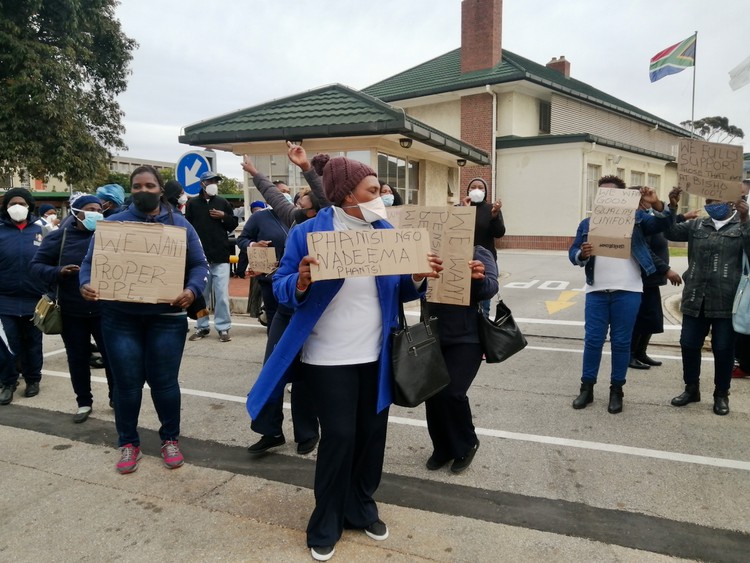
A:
<point x="695" y="64"/>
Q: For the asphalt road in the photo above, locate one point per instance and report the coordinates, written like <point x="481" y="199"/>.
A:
<point x="548" y="482"/>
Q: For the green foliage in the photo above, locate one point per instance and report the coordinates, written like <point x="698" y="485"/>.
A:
<point x="168" y="174"/>
<point x="715" y="129"/>
<point x="62" y="64"/>
<point x="229" y="185"/>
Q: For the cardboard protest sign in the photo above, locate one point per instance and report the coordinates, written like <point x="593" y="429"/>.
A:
<point x="138" y="262"/>
<point x="612" y="221"/>
<point x="262" y="259"/>
<point x="452" y="238"/>
<point x="379" y="252"/>
<point x="710" y="170"/>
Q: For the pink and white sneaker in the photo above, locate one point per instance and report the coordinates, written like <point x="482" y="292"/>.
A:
<point x="171" y="454"/>
<point x="129" y="456"/>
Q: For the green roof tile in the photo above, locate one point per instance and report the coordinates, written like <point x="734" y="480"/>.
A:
<point x="443" y="74"/>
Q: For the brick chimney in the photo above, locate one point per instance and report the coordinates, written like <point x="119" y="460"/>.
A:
<point x="560" y="65"/>
<point x="481" y="34"/>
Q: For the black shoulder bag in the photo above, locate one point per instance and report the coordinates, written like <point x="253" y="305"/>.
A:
<point x="500" y="338"/>
<point x="419" y="370"/>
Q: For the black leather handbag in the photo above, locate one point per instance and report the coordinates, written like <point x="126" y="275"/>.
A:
<point x="500" y="338"/>
<point x="419" y="370"/>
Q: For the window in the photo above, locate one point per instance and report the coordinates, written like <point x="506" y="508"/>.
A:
<point x="545" y="116"/>
<point x="654" y="181"/>
<point x="401" y="175"/>
<point x="593" y="173"/>
<point x="621" y="174"/>
<point x="637" y="178"/>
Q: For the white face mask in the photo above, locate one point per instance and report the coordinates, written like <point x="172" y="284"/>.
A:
<point x="212" y="190"/>
<point x="288" y="197"/>
<point x="476" y="195"/>
<point x="18" y="212"/>
<point x="387" y="199"/>
<point x="51" y="217"/>
<point x="182" y="199"/>
<point x="373" y="210"/>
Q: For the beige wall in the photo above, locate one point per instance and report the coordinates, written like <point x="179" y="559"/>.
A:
<point x="518" y="114"/>
<point x="540" y="188"/>
<point x="445" y="116"/>
<point x="435" y="181"/>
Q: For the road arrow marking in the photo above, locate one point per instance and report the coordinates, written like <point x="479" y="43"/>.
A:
<point x="563" y="302"/>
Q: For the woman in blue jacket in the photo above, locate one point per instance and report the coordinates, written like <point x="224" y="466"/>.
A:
<point x="145" y="341"/>
<point x="340" y="330"/>
<point x="613" y="296"/>
<point x="57" y="263"/>
<point x="20" y="238"/>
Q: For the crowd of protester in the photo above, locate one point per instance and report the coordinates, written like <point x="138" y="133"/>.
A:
<point x="330" y="340"/>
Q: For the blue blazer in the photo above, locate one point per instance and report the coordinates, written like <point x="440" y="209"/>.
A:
<point x="391" y="291"/>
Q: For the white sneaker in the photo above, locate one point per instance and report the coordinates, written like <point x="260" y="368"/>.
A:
<point x="322" y="553"/>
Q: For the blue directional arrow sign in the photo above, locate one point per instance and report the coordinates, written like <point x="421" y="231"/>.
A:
<point x="189" y="169"/>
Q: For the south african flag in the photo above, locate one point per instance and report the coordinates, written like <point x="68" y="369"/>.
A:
<point x="673" y="59"/>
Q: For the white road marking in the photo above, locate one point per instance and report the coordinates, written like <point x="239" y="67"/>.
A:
<point x="534" y="438"/>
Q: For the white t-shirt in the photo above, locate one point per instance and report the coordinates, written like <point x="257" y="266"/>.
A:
<point x="349" y="331"/>
<point x="616" y="274"/>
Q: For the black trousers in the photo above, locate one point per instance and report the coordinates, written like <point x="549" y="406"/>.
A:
<point x="448" y="412"/>
<point x="351" y="450"/>
<point x="270" y="304"/>
<point x="270" y="419"/>
<point x="76" y="334"/>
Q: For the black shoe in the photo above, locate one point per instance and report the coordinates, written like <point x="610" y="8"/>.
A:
<point x="82" y="414"/>
<point x="433" y="463"/>
<point x="111" y="404"/>
<point x="691" y="394"/>
<point x="6" y="394"/>
<point x="32" y="389"/>
<point x="648" y="361"/>
<point x="96" y="362"/>
<point x="615" y="399"/>
<point x="322" y="553"/>
<point x="586" y="397"/>
<point x="306" y="446"/>
<point x="721" y="403"/>
<point x="377" y="530"/>
<point x="462" y="463"/>
<point x="266" y="443"/>
<point x="198" y="334"/>
<point x="635" y="363"/>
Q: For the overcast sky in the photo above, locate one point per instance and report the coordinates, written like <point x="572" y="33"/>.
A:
<point x="200" y="59"/>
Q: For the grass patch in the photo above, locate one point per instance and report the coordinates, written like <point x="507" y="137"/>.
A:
<point x="674" y="252"/>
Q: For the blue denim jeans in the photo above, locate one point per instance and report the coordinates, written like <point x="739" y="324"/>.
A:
<point x="145" y="349"/>
<point x="25" y="343"/>
<point x="694" y="332"/>
<point x="218" y="282"/>
<point x="616" y="311"/>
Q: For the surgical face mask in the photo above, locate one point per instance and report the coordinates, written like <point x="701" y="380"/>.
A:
<point x="182" y="199"/>
<point x="18" y="212"/>
<point x="288" y="197"/>
<point x="90" y="219"/>
<point x="718" y="211"/>
<point x="212" y="190"/>
<point x="476" y="195"/>
<point x="387" y="199"/>
<point x="146" y="202"/>
<point x="373" y="210"/>
<point x="51" y="217"/>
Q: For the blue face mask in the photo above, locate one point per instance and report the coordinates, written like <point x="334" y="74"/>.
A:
<point x="90" y="219"/>
<point x="387" y="199"/>
<point x="718" y="211"/>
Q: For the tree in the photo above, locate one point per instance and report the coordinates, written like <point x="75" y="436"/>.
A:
<point x="62" y="65"/>
<point x="716" y="129"/>
<point x="229" y="185"/>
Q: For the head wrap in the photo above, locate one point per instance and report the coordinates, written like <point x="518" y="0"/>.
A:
<point x="111" y="192"/>
<point x="18" y="192"/>
<point x="340" y="175"/>
<point x="44" y="208"/>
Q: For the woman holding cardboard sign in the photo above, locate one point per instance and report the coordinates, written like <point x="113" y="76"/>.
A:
<point x="145" y="341"/>
<point x="613" y="295"/>
<point x="341" y="332"/>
